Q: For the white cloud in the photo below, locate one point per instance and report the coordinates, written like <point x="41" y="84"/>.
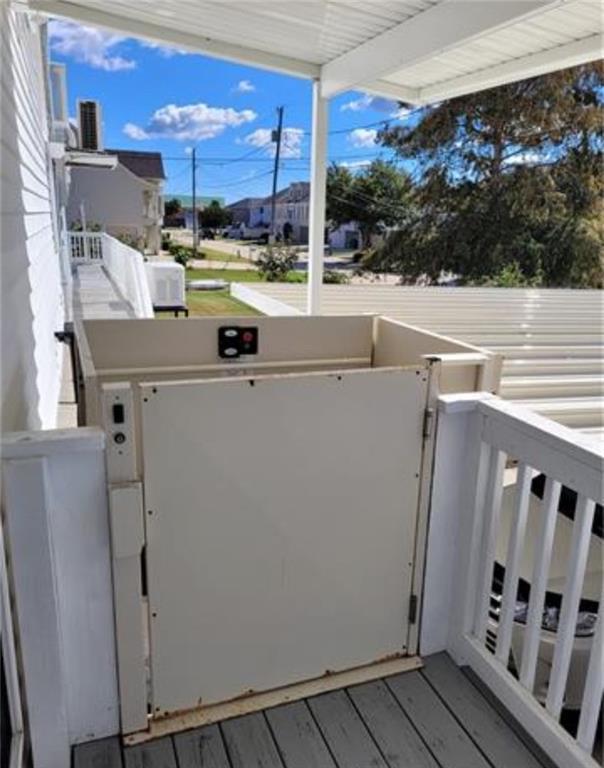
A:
<point x="363" y="138"/>
<point x="377" y="103"/>
<point x="135" y="132"/>
<point x="291" y="141"/>
<point x="89" y="45"/>
<point x="191" y="122"/>
<point x="166" y="51"/>
<point x="244" y="86"/>
<point x="355" y="165"/>
<point x="523" y="158"/>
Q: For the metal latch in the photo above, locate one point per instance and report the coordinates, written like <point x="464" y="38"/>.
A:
<point x="428" y="422"/>
<point x="412" y="609"/>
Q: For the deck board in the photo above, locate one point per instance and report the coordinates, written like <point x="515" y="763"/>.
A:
<point x="103" y="753"/>
<point x="153" y="754"/>
<point x="201" y="748"/>
<point x="447" y="741"/>
<point x="487" y="729"/>
<point x="436" y="717"/>
<point x="346" y="734"/>
<point x="391" y="728"/>
<point x="250" y="743"/>
<point x="299" y="740"/>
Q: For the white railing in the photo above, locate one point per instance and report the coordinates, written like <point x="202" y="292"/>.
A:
<point x="56" y="524"/>
<point x="517" y="596"/>
<point x="85" y="246"/>
<point x="124" y="265"/>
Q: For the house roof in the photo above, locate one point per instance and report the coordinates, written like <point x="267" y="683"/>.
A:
<point x="246" y="202"/>
<point x="296" y="192"/>
<point x="186" y="201"/>
<point x="417" y="51"/>
<point x="146" y="165"/>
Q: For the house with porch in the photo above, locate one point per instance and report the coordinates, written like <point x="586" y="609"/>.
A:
<point x="291" y="216"/>
<point x="316" y="537"/>
<point x="125" y="198"/>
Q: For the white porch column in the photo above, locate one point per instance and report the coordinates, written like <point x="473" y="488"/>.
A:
<point x="318" y="179"/>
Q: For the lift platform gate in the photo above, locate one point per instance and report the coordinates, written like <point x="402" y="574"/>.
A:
<point x="274" y="498"/>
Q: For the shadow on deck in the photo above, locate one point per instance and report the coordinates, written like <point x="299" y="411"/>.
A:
<point x="436" y="717"/>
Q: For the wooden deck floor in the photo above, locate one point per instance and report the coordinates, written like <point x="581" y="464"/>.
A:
<point x="433" y="718"/>
<point x="95" y="296"/>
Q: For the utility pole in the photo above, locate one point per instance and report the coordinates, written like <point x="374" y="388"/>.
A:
<point x="193" y="174"/>
<point x="276" y="138"/>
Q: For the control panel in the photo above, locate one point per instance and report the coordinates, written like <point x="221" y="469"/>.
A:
<point x="235" y="341"/>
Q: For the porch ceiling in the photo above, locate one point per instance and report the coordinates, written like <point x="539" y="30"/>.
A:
<point x="413" y="50"/>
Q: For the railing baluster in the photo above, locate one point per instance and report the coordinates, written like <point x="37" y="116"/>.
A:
<point x="584" y="515"/>
<point x="492" y="509"/>
<point x="512" y="564"/>
<point x="543" y="553"/>
<point x="594" y="688"/>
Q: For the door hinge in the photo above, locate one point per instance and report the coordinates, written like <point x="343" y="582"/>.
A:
<point x="412" y="609"/>
<point x="428" y="422"/>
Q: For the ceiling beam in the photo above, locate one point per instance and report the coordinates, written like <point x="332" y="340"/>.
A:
<point x="430" y="33"/>
<point x="392" y="91"/>
<point x="133" y="27"/>
<point x="560" y="57"/>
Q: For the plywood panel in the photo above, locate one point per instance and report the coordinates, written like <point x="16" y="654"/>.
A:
<point x="280" y="516"/>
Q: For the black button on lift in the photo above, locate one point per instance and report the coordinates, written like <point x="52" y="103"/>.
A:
<point x="235" y="341"/>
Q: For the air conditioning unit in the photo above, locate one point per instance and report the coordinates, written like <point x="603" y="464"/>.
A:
<point x="166" y="284"/>
<point x="89" y="125"/>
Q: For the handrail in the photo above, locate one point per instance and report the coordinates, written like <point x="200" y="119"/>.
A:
<point x="526" y="646"/>
<point x="125" y="266"/>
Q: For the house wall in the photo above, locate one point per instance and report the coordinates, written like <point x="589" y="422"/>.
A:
<point x="113" y="198"/>
<point x="30" y="284"/>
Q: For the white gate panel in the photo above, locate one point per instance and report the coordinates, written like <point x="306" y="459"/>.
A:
<point x="280" y="522"/>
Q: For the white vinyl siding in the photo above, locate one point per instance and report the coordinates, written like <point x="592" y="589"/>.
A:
<point x="32" y="301"/>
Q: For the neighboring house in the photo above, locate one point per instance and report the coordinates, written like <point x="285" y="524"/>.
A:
<point x="241" y="210"/>
<point x="184" y="217"/>
<point x="124" y="200"/>
<point x="291" y="216"/>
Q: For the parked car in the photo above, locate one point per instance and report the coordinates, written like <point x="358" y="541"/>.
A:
<point x="590" y="596"/>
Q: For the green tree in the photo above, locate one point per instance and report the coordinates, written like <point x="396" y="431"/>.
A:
<point x="172" y="206"/>
<point x="376" y="197"/>
<point x="214" y="216"/>
<point x="510" y="184"/>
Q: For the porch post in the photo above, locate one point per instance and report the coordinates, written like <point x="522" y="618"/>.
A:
<point x="318" y="178"/>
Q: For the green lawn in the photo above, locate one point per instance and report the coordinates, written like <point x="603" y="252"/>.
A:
<point x="216" y="303"/>
<point x="212" y="254"/>
<point x="238" y="275"/>
<point x="231" y="275"/>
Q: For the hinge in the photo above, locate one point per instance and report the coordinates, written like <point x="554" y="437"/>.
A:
<point x="412" y="609"/>
<point x="428" y="422"/>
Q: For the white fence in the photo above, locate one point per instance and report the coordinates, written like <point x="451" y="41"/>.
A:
<point x="491" y="536"/>
<point x="57" y="529"/>
<point x="124" y="265"/>
<point x="85" y="246"/>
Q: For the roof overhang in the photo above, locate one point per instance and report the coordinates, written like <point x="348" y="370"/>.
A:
<point x="90" y="159"/>
<point x="417" y="51"/>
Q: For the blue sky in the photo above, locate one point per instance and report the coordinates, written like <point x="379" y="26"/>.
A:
<point x="158" y="98"/>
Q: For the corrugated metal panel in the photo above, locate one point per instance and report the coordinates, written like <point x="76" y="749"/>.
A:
<point x="550" y="29"/>
<point x="312" y="38"/>
<point x="552" y="339"/>
<point x="311" y="31"/>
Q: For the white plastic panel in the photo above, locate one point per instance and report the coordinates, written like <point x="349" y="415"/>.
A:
<point x="280" y="520"/>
